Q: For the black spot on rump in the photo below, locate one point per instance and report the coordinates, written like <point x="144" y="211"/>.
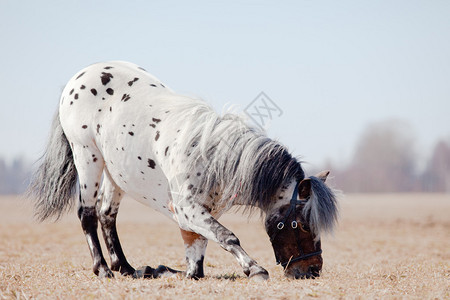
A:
<point x="76" y="96"/>
<point x="140" y="158"/>
<point x="125" y="97"/>
<point x="94" y="92"/>
<point x="106" y="78"/>
<point x="153" y="85"/>
<point x="157" y="136"/>
<point x="107" y="68"/>
<point x="84" y="126"/>
<point x="110" y="91"/>
<point x="151" y="163"/>
<point x="71" y="91"/>
<point x="82" y="87"/>
<point x="131" y="133"/>
<point x="130" y="83"/>
<point x="165" y="152"/>
<point x="98" y="128"/>
<point x="156" y="120"/>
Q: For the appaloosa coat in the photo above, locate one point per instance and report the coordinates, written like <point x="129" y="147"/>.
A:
<point x="120" y="130"/>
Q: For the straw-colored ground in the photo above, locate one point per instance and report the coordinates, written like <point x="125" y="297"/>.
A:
<point x="387" y="246"/>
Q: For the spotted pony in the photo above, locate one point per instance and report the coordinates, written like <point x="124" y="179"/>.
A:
<point x="119" y="130"/>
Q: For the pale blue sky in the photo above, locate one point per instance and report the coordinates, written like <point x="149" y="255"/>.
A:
<point x="333" y="67"/>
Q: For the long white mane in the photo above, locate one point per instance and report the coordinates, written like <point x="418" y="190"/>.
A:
<point x="234" y="158"/>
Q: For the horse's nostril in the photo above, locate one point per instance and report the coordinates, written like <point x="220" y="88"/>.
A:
<point x="314" y="271"/>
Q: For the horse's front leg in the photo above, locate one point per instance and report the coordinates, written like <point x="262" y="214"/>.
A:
<point x="196" y="218"/>
<point x="195" y="247"/>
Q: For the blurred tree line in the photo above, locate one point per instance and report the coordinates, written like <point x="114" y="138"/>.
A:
<point x="385" y="160"/>
<point x="14" y="177"/>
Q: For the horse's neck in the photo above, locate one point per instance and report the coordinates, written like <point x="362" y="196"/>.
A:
<point x="282" y="197"/>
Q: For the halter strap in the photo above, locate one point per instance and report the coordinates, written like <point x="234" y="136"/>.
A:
<point x="294" y="202"/>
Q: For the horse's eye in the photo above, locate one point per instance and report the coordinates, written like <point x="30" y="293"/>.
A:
<point x="304" y="227"/>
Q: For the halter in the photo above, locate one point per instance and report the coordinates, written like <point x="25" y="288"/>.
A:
<point x="295" y="227"/>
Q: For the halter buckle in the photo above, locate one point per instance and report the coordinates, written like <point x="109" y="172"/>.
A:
<point x="280" y="225"/>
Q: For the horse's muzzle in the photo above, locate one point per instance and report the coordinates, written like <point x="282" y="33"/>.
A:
<point x="312" y="273"/>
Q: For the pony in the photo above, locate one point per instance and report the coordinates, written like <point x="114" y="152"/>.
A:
<point x="120" y="130"/>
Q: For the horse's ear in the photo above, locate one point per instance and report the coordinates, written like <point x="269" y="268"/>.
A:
<point x="304" y="188"/>
<point x="323" y="175"/>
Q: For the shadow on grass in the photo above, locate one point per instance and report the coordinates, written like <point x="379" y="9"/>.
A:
<point x="231" y="277"/>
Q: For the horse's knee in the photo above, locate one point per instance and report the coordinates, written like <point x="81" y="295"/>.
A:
<point x="232" y="240"/>
<point x="228" y="240"/>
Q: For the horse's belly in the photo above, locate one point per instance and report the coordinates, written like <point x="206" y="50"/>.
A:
<point x="140" y="177"/>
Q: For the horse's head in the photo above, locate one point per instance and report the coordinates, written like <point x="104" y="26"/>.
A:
<point x="294" y="228"/>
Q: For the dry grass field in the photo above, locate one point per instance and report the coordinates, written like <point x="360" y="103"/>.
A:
<point x="386" y="246"/>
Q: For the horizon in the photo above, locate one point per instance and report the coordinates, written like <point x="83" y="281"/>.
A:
<point x="331" y="68"/>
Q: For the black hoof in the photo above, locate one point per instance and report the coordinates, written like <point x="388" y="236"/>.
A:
<point x="104" y="273"/>
<point x="144" y="272"/>
<point x="257" y="273"/>
<point x="125" y="271"/>
<point x="149" y="272"/>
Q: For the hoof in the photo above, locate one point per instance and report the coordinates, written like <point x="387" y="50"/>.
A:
<point x="125" y="270"/>
<point x="259" y="277"/>
<point x="144" y="272"/>
<point x="149" y="272"/>
<point x="258" y="273"/>
<point x="163" y="271"/>
<point x="105" y="273"/>
<point x="195" y="276"/>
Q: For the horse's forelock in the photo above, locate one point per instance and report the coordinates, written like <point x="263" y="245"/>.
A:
<point x="321" y="209"/>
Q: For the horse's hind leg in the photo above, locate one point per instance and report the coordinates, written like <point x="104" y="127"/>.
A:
<point x="89" y="164"/>
<point x="195" y="247"/>
<point x="107" y="212"/>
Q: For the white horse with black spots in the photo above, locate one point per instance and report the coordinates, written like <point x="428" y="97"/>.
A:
<point x="120" y="130"/>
